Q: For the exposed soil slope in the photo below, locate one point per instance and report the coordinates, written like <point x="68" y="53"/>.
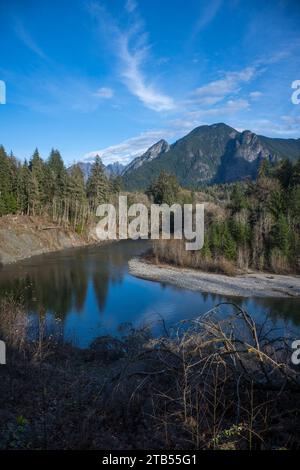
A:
<point x="24" y="236"/>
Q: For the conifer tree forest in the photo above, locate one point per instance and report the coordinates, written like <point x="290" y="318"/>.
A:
<point x="248" y="225"/>
<point x="46" y="188"/>
<point x="254" y="224"/>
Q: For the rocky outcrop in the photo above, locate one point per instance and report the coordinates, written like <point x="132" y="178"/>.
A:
<point x="152" y="153"/>
<point x="249" y="147"/>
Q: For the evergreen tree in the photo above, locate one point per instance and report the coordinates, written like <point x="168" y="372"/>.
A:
<point x="238" y="198"/>
<point x="24" y="188"/>
<point x="284" y="172"/>
<point x="295" y="178"/>
<point x="97" y="184"/>
<point x="281" y="235"/>
<point x="265" y="169"/>
<point x="8" y="170"/>
<point x="58" y="175"/>
<point x="276" y="203"/>
<point x="76" y="185"/>
<point x="37" y="197"/>
<point x="115" y="184"/>
<point x="165" y="189"/>
<point x="77" y="195"/>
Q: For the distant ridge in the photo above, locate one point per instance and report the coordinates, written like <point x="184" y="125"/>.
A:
<point x="209" y="154"/>
<point x="111" y="170"/>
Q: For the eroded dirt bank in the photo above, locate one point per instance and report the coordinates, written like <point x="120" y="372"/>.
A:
<point x="25" y="236"/>
<point x="247" y="285"/>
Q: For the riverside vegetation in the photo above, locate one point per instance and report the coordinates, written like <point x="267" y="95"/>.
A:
<point x="209" y="383"/>
<point x="249" y="225"/>
<point x="213" y="382"/>
<point x="253" y="224"/>
<point x="47" y="188"/>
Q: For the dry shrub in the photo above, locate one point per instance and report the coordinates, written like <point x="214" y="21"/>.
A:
<point x="243" y="257"/>
<point x="215" y="384"/>
<point x="174" y="252"/>
<point x="214" y="212"/>
<point x="13" y="322"/>
<point x="279" y="263"/>
<point x="223" y="266"/>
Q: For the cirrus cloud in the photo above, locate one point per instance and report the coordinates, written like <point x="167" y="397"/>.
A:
<point x="130" y="47"/>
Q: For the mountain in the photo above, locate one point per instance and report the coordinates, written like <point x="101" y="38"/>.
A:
<point x="111" y="170"/>
<point x="151" y="154"/>
<point x="85" y="167"/>
<point x="114" y="169"/>
<point x="209" y="154"/>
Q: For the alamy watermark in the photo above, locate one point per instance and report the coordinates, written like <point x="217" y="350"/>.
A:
<point x="2" y="353"/>
<point x="2" y="92"/>
<point x="161" y="222"/>
<point x="295" y="98"/>
<point x="296" y="354"/>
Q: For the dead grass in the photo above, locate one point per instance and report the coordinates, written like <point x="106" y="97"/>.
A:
<point x="173" y="252"/>
<point x="213" y="382"/>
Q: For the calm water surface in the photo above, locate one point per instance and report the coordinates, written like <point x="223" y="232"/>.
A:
<point x="90" y="292"/>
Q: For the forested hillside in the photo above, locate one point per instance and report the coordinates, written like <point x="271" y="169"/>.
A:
<point x="212" y="154"/>
<point x="250" y="225"/>
<point x="40" y="187"/>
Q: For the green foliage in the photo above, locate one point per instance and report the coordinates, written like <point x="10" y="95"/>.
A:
<point x="221" y="241"/>
<point x="281" y="234"/>
<point x="37" y="184"/>
<point x="265" y="169"/>
<point x="238" y="198"/>
<point x="164" y="189"/>
<point x="209" y="154"/>
<point x="284" y="173"/>
<point x="47" y="188"/>
<point x="241" y="232"/>
<point x="116" y="184"/>
<point x="76" y="186"/>
<point x="8" y="183"/>
<point x="58" y="177"/>
<point x="97" y="184"/>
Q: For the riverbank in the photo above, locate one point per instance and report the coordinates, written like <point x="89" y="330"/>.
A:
<point x="246" y="285"/>
<point x="138" y="392"/>
<point x="24" y="236"/>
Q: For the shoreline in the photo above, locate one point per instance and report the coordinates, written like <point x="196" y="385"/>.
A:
<point x="23" y="237"/>
<point x="246" y="285"/>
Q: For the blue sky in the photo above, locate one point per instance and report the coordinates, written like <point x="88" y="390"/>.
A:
<point x="114" y="76"/>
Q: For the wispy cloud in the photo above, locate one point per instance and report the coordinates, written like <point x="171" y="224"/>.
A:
<point x="28" y="40"/>
<point x="284" y="126"/>
<point x="207" y="15"/>
<point x="131" y="48"/>
<point x="228" y="108"/>
<point x="125" y="151"/>
<point x="254" y="95"/>
<point x="136" y="81"/>
<point x="131" y="5"/>
<point x="104" y="92"/>
<point x="51" y="94"/>
<point x="217" y="90"/>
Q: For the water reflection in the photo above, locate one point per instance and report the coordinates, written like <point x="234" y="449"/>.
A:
<point x="90" y="291"/>
<point x="59" y="282"/>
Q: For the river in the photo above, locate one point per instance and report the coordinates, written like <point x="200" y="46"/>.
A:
<point x="88" y="292"/>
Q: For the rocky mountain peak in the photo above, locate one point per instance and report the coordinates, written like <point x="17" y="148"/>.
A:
<point x="152" y="153"/>
<point x="249" y="147"/>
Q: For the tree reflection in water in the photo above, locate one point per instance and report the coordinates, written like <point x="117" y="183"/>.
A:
<point x="85" y="288"/>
